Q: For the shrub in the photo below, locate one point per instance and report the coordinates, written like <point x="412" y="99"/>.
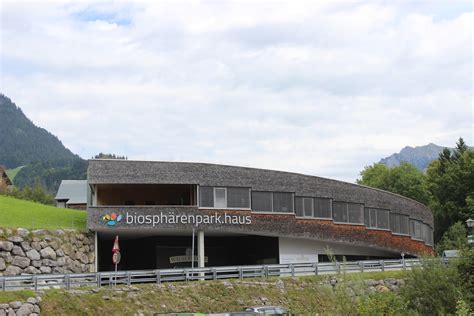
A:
<point x="388" y="304"/>
<point x="433" y="288"/>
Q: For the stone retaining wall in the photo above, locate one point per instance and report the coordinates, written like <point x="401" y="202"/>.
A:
<point x="29" y="308"/>
<point x="43" y="252"/>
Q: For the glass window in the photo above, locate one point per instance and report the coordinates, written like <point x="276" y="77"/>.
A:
<point x="238" y="198"/>
<point x="308" y="207"/>
<point x="340" y="212"/>
<point x="206" y="197"/>
<point x="262" y="201"/>
<point x="356" y="213"/>
<point x="383" y="219"/>
<point x="220" y="198"/>
<point x="322" y="208"/>
<point x="299" y="206"/>
<point x="404" y="219"/>
<point x="283" y="202"/>
<point x="373" y="217"/>
<point x="395" y="223"/>
<point x="366" y="217"/>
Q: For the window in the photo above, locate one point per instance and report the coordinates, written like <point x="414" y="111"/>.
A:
<point x="367" y="217"/>
<point x="356" y="213"/>
<point x="283" y="202"/>
<point x="395" y="223"/>
<point x="299" y="206"/>
<point x="378" y="218"/>
<point x="340" y="212"/>
<point x="416" y="229"/>
<point x="322" y="208"/>
<point x="308" y="207"/>
<point x="220" y="198"/>
<point x="206" y="197"/>
<point x="383" y="220"/>
<point x="348" y="212"/>
<point x="404" y="229"/>
<point x="238" y="198"/>
<point x="262" y="202"/>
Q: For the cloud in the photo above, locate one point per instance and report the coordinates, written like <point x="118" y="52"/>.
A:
<point x="323" y="88"/>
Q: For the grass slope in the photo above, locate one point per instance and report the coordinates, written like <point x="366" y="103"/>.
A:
<point x="11" y="173"/>
<point x="303" y="296"/>
<point x="20" y="213"/>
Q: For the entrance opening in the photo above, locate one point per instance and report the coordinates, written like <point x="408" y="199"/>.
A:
<point x="163" y="252"/>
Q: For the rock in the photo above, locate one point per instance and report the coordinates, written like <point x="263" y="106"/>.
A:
<point x="48" y="253"/>
<point x="33" y="254"/>
<point x="84" y="258"/>
<point x="58" y="270"/>
<point x="280" y="285"/>
<point x="4" y="306"/>
<point x="36" y="245"/>
<point x="15" y="304"/>
<point x="105" y="298"/>
<point x="12" y="270"/>
<point x="36" y="309"/>
<point x="39" y="232"/>
<point x="15" y="239"/>
<point x="32" y="270"/>
<point x="36" y="263"/>
<point x="21" y="262"/>
<point x="6" y="256"/>
<point x="54" y="244"/>
<point x="25" y="310"/>
<point x="49" y="263"/>
<point x="391" y="281"/>
<point x="43" y="243"/>
<point x="61" y="261"/>
<point x="32" y="300"/>
<point x="382" y="289"/>
<point x="17" y="251"/>
<point x="60" y="253"/>
<point x="26" y="246"/>
<point x="371" y="282"/>
<point x="95" y="290"/>
<point x="3" y="266"/>
<point x="45" y="270"/>
<point x="6" y="246"/>
<point x="23" y="232"/>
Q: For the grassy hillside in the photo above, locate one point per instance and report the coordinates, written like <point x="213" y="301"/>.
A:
<point x="303" y="296"/>
<point x="13" y="172"/>
<point x="26" y="214"/>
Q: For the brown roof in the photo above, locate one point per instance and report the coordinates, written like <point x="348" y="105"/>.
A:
<point x="4" y="176"/>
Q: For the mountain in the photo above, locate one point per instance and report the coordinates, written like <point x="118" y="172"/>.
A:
<point x="41" y="153"/>
<point x="22" y="142"/>
<point x="419" y="156"/>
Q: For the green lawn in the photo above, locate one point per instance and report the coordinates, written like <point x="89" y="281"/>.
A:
<point x="20" y="213"/>
<point x="11" y="173"/>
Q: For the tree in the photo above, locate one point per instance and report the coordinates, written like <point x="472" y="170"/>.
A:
<point x="405" y="180"/>
<point x="109" y="156"/>
<point x="454" y="238"/>
<point x="450" y="181"/>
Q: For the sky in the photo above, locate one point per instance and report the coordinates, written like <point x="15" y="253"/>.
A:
<point x="321" y="88"/>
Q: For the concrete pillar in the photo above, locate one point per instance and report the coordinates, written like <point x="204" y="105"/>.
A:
<point x="200" y="248"/>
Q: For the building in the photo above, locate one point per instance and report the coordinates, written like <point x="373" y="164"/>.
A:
<point x="244" y="216"/>
<point x="72" y="194"/>
<point x="5" y="181"/>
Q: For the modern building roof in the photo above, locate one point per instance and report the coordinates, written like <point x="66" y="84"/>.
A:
<point x="109" y="171"/>
<point x="72" y="191"/>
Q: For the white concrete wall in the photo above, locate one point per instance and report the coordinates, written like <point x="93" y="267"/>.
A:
<point x="296" y="250"/>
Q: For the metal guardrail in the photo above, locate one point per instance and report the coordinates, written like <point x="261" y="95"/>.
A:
<point x="99" y="279"/>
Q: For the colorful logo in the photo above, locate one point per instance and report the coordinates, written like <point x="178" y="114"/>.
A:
<point x="112" y="219"/>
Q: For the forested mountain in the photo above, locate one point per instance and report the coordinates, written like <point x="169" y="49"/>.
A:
<point x="22" y="142"/>
<point x="44" y="156"/>
<point x="420" y="156"/>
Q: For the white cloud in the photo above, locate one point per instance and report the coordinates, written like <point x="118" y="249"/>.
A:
<point x="317" y="87"/>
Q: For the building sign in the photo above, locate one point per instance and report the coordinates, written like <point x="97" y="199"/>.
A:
<point x="181" y="259"/>
<point x="165" y="218"/>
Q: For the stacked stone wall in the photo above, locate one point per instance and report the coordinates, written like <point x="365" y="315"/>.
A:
<point x="44" y="252"/>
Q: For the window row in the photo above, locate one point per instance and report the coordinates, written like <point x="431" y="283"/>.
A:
<point x="377" y="218"/>
<point x="313" y="207"/>
<point x="224" y="197"/>
<point x="399" y="223"/>
<point x="421" y="231"/>
<point x="272" y="202"/>
<point x="344" y="212"/>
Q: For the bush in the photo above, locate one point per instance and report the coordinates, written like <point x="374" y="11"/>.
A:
<point x="388" y="304"/>
<point x="433" y="288"/>
<point x="36" y="193"/>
